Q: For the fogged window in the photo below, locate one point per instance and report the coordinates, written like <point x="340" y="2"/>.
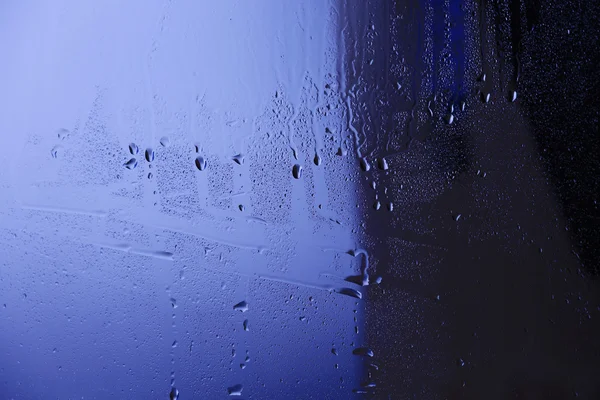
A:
<point x="298" y="200"/>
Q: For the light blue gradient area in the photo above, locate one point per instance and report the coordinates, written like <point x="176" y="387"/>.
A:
<point x="116" y="281"/>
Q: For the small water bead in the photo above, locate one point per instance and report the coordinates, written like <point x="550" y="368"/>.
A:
<point x="55" y="151"/>
<point x="241" y="306"/>
<point x="235" y="390"/>
<point x="149" y="154"/>
<point x="200" y="163"/>
<point x="133" y="148"/>
<point x="317" y="160"/>
<point x="62" y="133"/>
<point x="363" y="351"/>
<point x="364" y="165"/>
<point x="238" y="159"/>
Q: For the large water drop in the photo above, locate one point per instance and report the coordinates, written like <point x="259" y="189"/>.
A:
<point x="149" y="154"/>
<point x="131" y="164"/>
<point x="297" y="171"/>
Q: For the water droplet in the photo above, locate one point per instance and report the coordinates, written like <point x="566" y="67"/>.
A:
<point x="197" y="148"/>
<point x="173" y="302"/>
<point x="363" y="351"/>
<point x="390" y="206"/>
<point x="164" y="141"/>
<point x="297" y="171"/>
<point x="241" y="207"/>
<point x="513" y="96"/>
<point x="131" y="164"/>
<point x="317" y="160"/>
<point x="364" y="164"/>
<point x="377" y="205"/>
<point x="62" y="133"/>
<point x="174" y="344"/>
<point x="246" y="327"/>
<point x="238" y="159"/>
<point x="449" y="118"/>
<point x="150" y="175"/>
<point x="334" y="351"/>
<point x="200" y="163"/>
<point x="302" y="318"/>
<point x="235" y="390"/>
<point x="55" y="150"/>
<point x="241" y="306"/>
<point x="382" y="164"/>
<point x="460" y="362"/>
<point x="149" y="154"/>
<point x="485" y="97"/>
<point x="457" y="217"/>
<point x="174" y="395"/>
<point x="341" y="152"/>
<point x="483" y="77"/>
<point x="350" y="292"/>
<point x="463" y="106"/>
<point x="243" y="366"/>
<point x="133" y="149"/>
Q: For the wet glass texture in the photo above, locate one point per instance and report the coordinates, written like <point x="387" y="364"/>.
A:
<point x="320" y="199"/>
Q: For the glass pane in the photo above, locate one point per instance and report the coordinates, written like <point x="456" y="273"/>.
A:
<point x="323" y="199"/>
